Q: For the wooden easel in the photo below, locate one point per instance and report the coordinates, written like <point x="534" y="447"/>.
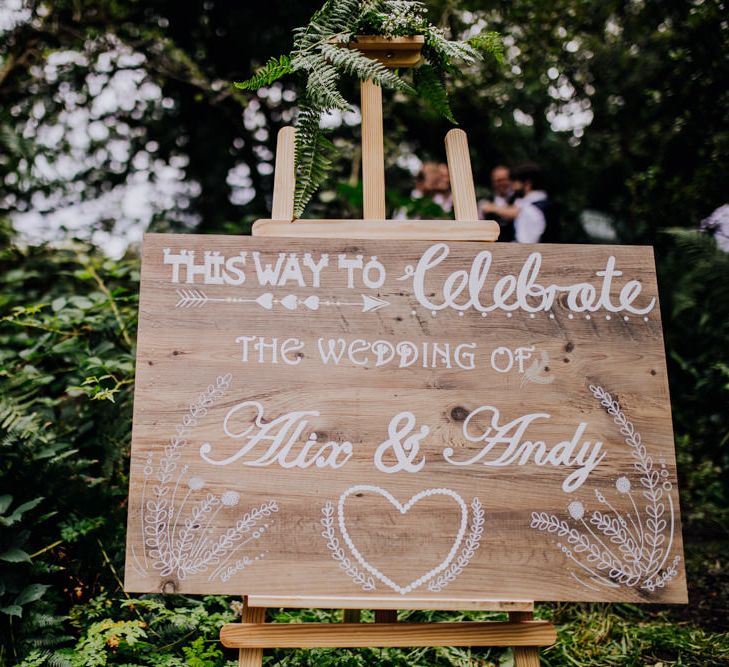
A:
<point x="521" y="631"/>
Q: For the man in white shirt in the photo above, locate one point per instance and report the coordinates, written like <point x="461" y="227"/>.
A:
<point x="530" y="208"/>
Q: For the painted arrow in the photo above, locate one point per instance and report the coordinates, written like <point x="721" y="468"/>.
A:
<point x="369" y="304"/>
<point x="372" y="303"/>
<point x="194" y="298"/>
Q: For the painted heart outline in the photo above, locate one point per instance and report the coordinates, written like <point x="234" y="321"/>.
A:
<point x="403" y="509"/>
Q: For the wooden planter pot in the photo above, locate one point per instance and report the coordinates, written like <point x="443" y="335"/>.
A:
<point x="392" y="52"/>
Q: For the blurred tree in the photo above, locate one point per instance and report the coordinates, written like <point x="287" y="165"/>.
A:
<point x="148" y="85"/>
<point x="624" y="102"/>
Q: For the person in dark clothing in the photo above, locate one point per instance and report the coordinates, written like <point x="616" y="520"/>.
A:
<point x="503" y="195"/>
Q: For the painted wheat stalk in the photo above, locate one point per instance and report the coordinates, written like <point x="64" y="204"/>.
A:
<point x="616" y="548"/>
<point x="175" y="532"/>
<point x="160" y="508"/>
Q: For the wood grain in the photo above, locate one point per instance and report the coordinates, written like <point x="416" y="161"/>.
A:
<point x="252" y="657"/>
<point x="394" y="52"/>
<point x="412" y="230"/>
<point x="524" y="656"/>
<point x="361" y="635"/>
<point x="184" y="527"/>
<point x="375" y="602"/>
<point x="284" y="182"/>
<point x="373" y="156"/>
<point x="461" y="176"/>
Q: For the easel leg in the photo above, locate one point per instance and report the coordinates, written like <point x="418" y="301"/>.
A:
<point x="524" y="656"/>
<point x="251" y="657"/>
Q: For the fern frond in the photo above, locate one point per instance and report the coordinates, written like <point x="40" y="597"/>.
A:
<point x="44" y="621"/>
<point x="274" y="69"/>
<point x="491" y="43"/>
<point x="321" y="88"/>
<point x="314" y="157"/>
<point x="58" y="660"/>
<point x="335" y="17"/>
<point x="319" y="55"/>
<point x="355" y="63"/>
<point x="449" y="50"/>
<point x="431" y="87"/>
<point x="19" y="421"/>
<point x="342" y="15"/>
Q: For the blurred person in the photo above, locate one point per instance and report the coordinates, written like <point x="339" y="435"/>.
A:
<point x="503" y="196"/>
<point x="433" y="183"/>
<point x="501" y="185"/>
<point x="532" y="212"/>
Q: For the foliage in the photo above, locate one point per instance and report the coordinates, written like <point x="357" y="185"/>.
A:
<point x="66" y="364"/>
<point x="695" y="281"/>
<point x="145" y="631"/>
<point x="320" y="55"/>
<point x="15" y="592"/>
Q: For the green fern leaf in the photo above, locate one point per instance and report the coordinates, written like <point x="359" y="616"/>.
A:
<point x="431" y="87"/>
<point x="270" y="72"/>
<point x="343" y="14"/>
<point x="319" y="55"/>
<point x="335" y="17"/>
<point x="321" y="88"/>
<point x="314" y="157"/>
<point x="355" y="63"/>
<point x="489" y="42"/>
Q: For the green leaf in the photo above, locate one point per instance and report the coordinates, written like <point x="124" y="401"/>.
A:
<point x="22" y="509"/>
<point x="266" y="75"/>
<point x="314" y="153"/>
<point x="81" y="302"/>
<point x="12" y="610"/>
<point x="5" y="501"/>
<point x="15" y="555"/>
<point x="430" y="86"/>
<point x="31" y="594"/>
<point x="489" y="42"/>
<point x="19" y="511"/>
<point x="355" y="63"/>
<point x="321" y="88"/>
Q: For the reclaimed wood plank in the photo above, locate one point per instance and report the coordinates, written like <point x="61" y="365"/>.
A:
<point x="199" y="464"/>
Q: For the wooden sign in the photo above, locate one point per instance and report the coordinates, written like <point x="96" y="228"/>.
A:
<point x="372" y="419"/>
